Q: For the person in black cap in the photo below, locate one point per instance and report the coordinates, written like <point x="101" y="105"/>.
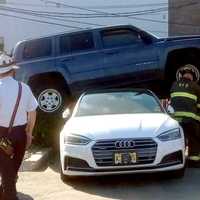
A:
<point x="17" y="119"/>
<point x="185" y="93"/>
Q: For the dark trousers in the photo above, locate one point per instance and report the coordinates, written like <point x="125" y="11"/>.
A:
<point x="191" y="131"/>
<point x="9" y="166"/>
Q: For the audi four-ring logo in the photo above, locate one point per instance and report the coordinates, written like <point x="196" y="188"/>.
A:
<point x="125" y="144"/>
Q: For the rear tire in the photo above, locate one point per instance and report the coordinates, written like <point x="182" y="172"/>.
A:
<point x="52" y="98"/>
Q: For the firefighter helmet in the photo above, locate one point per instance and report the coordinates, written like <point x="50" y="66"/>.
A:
<point x="188" y="69"/>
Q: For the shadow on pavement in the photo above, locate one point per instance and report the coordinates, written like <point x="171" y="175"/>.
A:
<point x="140" y="186"/>
<point x="145" y="187"/>
<point x="54" y="161"/>
<point x="22" y="196"/>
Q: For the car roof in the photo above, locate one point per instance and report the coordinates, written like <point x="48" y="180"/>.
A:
<point x="84" y="30"/>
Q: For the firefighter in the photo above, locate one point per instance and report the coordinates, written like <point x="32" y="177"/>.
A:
<point x="185" y="93"/>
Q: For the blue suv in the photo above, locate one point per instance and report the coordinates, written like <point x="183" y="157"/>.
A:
<point x="62" y="66"/>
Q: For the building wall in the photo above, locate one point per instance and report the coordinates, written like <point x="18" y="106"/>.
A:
<point x="184" y="17"/>
<point x="19" y="29"/>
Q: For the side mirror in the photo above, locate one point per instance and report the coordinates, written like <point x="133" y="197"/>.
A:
<point x="66" y="114"/>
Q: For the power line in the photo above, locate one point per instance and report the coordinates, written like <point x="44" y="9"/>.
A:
<point x="105" y="14"/>
<point x="28" y="12"/>
<point x="130" y="17"/>
<point x="88" y="14"/>
<point x="40" y="21"/>
<point x="128" y="6"/>
<point x="93" y="7"/>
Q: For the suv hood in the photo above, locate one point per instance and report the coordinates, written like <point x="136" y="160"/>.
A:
<point x="176" y="38"/>
<point x="120" y="126"/>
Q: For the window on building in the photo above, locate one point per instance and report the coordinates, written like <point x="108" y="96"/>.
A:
<point x="81" y="42"/>
<point x="119" y="37"/>
<point x="38" y="48"/>
<point x="1" y="43"/>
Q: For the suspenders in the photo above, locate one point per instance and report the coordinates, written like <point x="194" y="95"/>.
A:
<point x="5" y="143"/>
<point x="16" y="107"/>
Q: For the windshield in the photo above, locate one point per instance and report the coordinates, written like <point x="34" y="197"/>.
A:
<point x="117" y="103"/>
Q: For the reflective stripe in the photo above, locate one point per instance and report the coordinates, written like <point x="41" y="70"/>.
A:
<point x="185" y="114"/>
<point x="179" y="119"/>
<point x="183" y="94"/>
<point x="197" y="117"/>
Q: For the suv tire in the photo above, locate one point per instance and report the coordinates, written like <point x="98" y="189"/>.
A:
<point x="52" y="99"/>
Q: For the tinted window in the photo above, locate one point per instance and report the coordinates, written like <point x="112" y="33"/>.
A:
<point x="118" y="103"/>
<point x="37" y="48"/>
<point x="64" y="44"/>
<point x="121" y="37"/>
<point x="81" y="42"/>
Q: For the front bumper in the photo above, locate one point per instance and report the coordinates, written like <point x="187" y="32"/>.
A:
<point x="79" y="160"/>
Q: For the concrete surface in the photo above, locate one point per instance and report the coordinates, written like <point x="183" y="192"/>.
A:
<point x="35" y="160"/>
<point x="46" y="184"/>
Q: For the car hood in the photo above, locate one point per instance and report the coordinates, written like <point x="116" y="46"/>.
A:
<point x="120" y="126"/>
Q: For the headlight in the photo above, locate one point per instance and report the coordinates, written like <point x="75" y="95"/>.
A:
<point x="76" y="140"/>
<point x="170" y="135"/>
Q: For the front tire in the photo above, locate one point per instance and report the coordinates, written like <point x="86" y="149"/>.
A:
<point x="175" y="174"/>
<point x="66" y="178"/>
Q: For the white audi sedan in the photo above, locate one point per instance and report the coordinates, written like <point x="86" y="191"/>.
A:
<point x="119" y="132"/>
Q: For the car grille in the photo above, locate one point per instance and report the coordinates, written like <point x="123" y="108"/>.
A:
<point x="103" y="151"/>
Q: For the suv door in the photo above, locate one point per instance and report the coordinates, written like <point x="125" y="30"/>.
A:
<point x="80" y="60"/>
<point x="127" y="58"/>
<point x="35" y="57"/>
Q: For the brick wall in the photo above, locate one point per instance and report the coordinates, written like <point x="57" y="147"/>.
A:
<point x="184" y="17"/>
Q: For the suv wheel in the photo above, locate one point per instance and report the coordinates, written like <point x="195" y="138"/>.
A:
<point x="51" y="98"/>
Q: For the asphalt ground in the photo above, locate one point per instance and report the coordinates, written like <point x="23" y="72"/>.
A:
<point x="46" y="184"/>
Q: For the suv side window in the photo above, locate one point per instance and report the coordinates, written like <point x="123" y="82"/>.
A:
<point x="119" y="37"/>
<point x="64" y="44"/>
<point x="81" y="42"/>
<point x="37" y="48"/>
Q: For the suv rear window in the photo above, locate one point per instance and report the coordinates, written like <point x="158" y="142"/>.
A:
<point x="81" y="42"/>
<point x="119" y="37"/>
<point x="37" y="48"/>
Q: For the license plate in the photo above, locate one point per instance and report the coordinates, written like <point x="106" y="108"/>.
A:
<point x="125" y="158"/>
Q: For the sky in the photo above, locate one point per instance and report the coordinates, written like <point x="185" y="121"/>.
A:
<point x="149" y="15"/>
